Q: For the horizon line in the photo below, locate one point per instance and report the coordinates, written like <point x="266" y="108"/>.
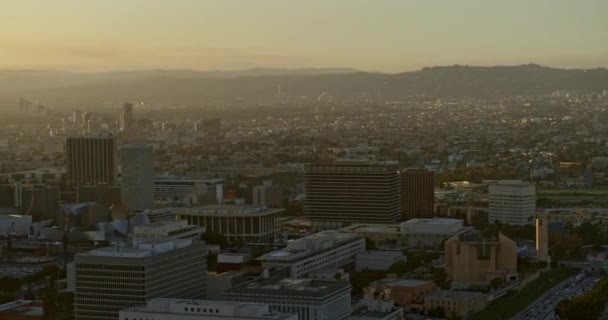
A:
<point x="346" y="69"/>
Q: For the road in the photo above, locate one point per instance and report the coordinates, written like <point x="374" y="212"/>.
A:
<point x="543" y="308"/>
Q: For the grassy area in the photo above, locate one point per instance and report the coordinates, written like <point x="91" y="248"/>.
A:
<point x="509" y="305"/>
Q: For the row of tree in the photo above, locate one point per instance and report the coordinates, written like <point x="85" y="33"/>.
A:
<point x="588" y="306"/>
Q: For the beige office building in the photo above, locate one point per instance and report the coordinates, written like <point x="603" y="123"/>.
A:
<point x="471" y="258"/>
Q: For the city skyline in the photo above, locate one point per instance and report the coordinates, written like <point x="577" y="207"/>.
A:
<point x="387" y="36"/>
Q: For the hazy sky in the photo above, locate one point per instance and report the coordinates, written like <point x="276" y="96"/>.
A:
<point x="386" y="35"/>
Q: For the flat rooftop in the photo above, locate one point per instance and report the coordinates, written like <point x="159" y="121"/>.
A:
<point x="446" y="294"/>
<point x="434" y="221"/>
<point x="410" y="283"/>
<point x="291" y="287"/>
<point x="221" y="309"/>
<point x="139" y="249"/>
<point x="227" y="210"/>
<point x="169" y="179"/>
<point x="377" y="228"/>
<point x="303" y="247"/>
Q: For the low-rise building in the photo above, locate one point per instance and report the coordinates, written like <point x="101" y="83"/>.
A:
<point x="178" y="229"/>
<point x="383" y="235"/>
<point x="414" y="233"/>
<point x="22" y="310"/>
<point x="455" y="303"/>
<point x="407" y="293"/>
<point x="220" y="282"/>
<point x="310" y="299"/>
<point x="244" y="223"/>
<point x="181" y="309"/>
<point x="318" y="251"/>
<point x="376" y="305"/>
<point x="377" y="259"/>
<point x="430" y="233"/>
<point x="331" y="274"/>
<point x="575" y="217"/>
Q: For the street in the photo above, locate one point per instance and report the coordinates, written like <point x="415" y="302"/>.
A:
<point x="543" y="308"/>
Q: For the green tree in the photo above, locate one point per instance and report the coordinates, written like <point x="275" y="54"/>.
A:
<point x="436" y="312"/>
<point x="29" y="295"/>
<point x="440" y="278"/>
<point x="215" y="238"/>
<point x="370" y="244"/>
<point x="590" y="233"/>
<point x="9" y="284"/>
<point x="497" y="282"/>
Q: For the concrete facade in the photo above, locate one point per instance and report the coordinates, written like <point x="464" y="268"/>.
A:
<point x="310" y="299"/>
<point x="339" y="194"/>
<point x="318" y="251"/>
<point x="246" y="223"/>
<point x="418" y="193"/>
<point x="430" y="233"/>
<point x="178" y="229"/>
<point x="542" y="238"/>
<point x="512" y="202"/>
<point x="268" y="195"/>
<point x="111" y="278"/>
<point x="405" y="292"/>
<point x="456" y="303"/>
<point x="137" y="176"/>
<point x="378" y="260"/>
<point x="91" y="160"/>
<point x="181" y="309"/>
<point x="471" y="258"/>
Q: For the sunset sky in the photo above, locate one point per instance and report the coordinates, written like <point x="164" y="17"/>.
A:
<point x="383" y="35"/>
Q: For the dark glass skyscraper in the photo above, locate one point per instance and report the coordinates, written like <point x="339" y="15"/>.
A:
<point x="91" y="160"/>
<point x="339" y="194"/>
<point x="418" y="193"/>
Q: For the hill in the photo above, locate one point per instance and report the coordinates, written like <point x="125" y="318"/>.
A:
<point x="198" y="87"/>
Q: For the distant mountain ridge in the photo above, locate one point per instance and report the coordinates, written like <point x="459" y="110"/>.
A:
<point x="198" y="87"/>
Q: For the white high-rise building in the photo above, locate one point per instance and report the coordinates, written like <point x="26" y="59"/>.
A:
<point x="137" y="163"/>
<point x="512" y="202"/>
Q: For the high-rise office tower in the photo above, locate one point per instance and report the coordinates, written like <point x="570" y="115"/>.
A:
<point x="418" y="193"/>
<point x="91" y="160"/>
<point x="342" y="193"/>
<point x="137" y="174"/>
<point x="76" y="117"/>
<point x="111" y="278"/>
<point x="512" y="202"/>
<point x="127" y="118"/>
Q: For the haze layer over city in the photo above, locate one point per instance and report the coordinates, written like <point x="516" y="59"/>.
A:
<point x="303" y="160"/>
